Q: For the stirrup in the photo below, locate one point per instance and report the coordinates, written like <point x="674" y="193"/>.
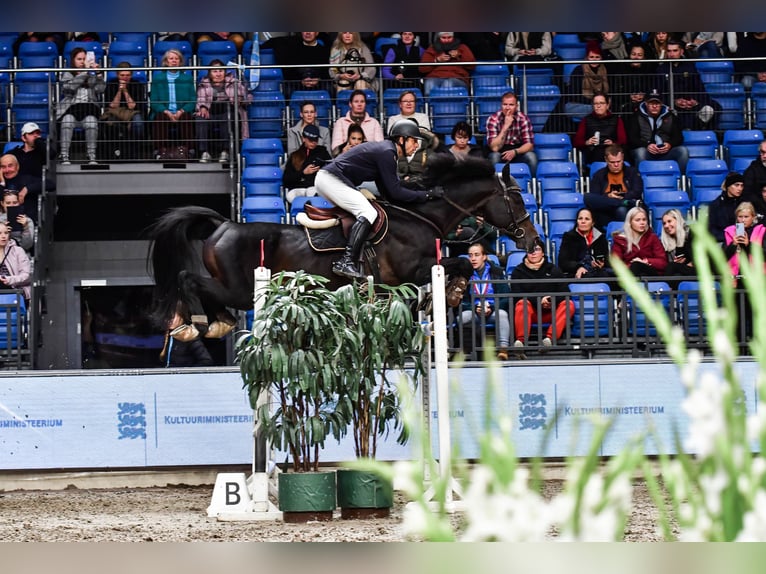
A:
<point x="218" y="329"/>
<point x="185" y="333"/>
<point x="455" y="290"/>
<point x="347" y="269"/>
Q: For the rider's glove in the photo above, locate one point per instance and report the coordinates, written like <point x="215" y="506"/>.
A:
<point x="435" y="193"/>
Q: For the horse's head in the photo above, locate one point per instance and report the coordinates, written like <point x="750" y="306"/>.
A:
<point x="473" y="188"/>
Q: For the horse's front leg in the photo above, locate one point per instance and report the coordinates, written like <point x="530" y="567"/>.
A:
<point x="459" y="270"/>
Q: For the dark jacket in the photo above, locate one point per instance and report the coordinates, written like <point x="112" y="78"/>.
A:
<point x="32" y="162"/>
<point x="293" y="52"/>
<point x="610" y="127"/>
<point x="631" y="178"/>
<point x="686" y="81"/>
<point x="34" y="187"/>
<point x="471" y="297"/>
<point x="529" y="279"/>
<point x="191" y="354"/>
<point x="755" y="179"/>
<point x="374" y="161"/>
<point x="721" y="214"/>
<point x="293" y="177"/>
<point x="644" y="130"/>
<point x="576" y="253"/>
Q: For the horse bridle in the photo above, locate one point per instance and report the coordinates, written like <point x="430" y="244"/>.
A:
<point x="515" y="230"/>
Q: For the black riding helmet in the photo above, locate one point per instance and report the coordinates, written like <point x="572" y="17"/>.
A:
<point x="406" y="128"/>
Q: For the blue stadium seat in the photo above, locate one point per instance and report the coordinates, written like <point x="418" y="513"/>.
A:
<point x="758" y="95"/>
<point x="740" y="164"/>
<point x="263" y="209"/>
<point x="514" y="258"/>
<point x="561" y="206"/>
<point x="541" y="101"/>
<point x="731" y="96"/>
<point x="223" y="50"/>
<point x="342" y="107"/>
<point x="569" y="46"/>
<point x="701" y="144"/>
<point x="12" y="320"/>
<point x="266" y="54"/>
<point x="322" y="102"/>
<point x="490" y="75"/>
<point x="262" y="151"/>
<point x="266" y="116"/>
<point x="660" y="200"/>
<point x="161" y="46"/>
<point x="553" y="147"/>
<point x="525" y="76"/>
<point x="691" y="316"/>
<point x="613" y="227"/>
<point x="660" y="174"/>
<point x="37" y="55"/>
<point x="262" y="180"/>
<point x="592" y="309"/>
<point x="135" y="53"/>
<point x="382" y="45"/>
<point x="638" y="322"/>
<point x="270" y="80"/>
<point x="448" y="106"/>
<point x="144" y="37"/>
<point x="487" y="100"/>
<point x="715" y="72"/>
<point x="391" y="100"/>
<point x="557" y="176"/>
<point x="741" y="144"/>
<point x="705" y="174"/>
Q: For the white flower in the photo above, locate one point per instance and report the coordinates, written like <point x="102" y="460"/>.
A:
<point x="754" y="522"/>
<point x="704" y="405"/>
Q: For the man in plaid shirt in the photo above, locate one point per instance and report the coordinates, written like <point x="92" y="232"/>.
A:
<point x="510" y="137"/>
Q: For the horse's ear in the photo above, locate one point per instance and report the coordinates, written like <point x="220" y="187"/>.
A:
<point x="507" y="175"/>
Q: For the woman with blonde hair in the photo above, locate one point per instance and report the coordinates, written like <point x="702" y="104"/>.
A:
<point x="676" y="239"/>
<point x="638" y="246"/>
<point x="350" y="54"/>
<point x="173" y="100"/>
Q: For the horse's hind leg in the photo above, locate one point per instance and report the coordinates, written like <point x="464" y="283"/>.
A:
<point x="208" y="296"/>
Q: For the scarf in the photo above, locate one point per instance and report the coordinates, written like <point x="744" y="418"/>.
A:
<point x="439" y="46"/>
<point x="594" y="80"/>
<point x="616" y="47"/>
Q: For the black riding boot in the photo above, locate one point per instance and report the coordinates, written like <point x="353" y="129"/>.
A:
<point x="347" y="265"/>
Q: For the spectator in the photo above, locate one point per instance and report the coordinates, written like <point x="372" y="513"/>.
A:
<point x="584" y="251"/>
<point x="638" y="246"/>
<point x="755" y="174"/>
<point x="22" y="227"/>
<point x="470" y="230"/>
<point x="637" y="80"/>
<point x="654" y="133"/>
<point x="613" y="189"/>
<point x="408" y="102"/>
<point x="461" y="135"/>
<point x="237" y="38"/>
<point x="350" y="54"/>
<point x="32" y="154"/>
<point x="28" y="187"/>
<point x="173" y="101"/>
<point x="696" y="109"/>
<point x="124" y="118"/>
<point x="538" y="307"/>
<point x="303" y="164"/>
<point x="510" y="137"/>
<point x="308" y="117"/>
<point x="759" y="203"/>
<point x="15" y="267"/>
<point x="404" y="52"/>
<point x="78" y="106"/>
<point x="753" y="68"/>
<point x="585" y="81"/>
<point x="479" y="305"/>
<point x="354" y="137"/>
<point x="704" y="44"/>
<point x="613" y="46"/>
<point x="447" y="49"/>
<point x="485" y="46"/>
<point x="220" y="95"/>
<point x="721" y="211"/>
<point x="657" y="45"/>
<point x="357" y="114"/>
<point x="599" y="129"/>
<point x="676" y="239"/>
<point x="528" y="46"/>
<point x="303" y="60"/>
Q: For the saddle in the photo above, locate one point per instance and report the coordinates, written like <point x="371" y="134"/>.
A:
<point x="346" y="220"/>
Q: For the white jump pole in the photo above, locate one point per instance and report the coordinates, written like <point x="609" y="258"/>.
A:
<point x="442" y="377"/>
<point x="234" y="497"/>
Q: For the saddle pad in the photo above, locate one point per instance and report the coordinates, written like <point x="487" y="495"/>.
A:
<point x="333" y="239"/>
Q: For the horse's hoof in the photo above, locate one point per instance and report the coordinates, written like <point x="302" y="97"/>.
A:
<point x="185" y="333"/>
<point x="218" y="329"/>
<point x="455" y="291"/>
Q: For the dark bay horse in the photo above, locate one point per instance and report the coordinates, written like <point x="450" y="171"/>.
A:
<point x="231" y="251"/>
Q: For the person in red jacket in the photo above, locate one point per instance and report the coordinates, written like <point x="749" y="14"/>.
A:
<point x="638" y="246"/>
<point x="446" y="49"/>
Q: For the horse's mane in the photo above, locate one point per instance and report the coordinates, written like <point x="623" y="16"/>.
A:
<point x="445" y="168"/>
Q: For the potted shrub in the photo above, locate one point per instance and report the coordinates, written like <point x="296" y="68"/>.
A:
<point x="292" y="353"/>
<point x="382" y="337"/>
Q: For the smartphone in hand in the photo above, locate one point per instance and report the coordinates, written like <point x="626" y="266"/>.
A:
<point x="740" y="229"/>
<point x="90" y="58"/>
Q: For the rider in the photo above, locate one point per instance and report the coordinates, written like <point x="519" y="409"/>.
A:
<point x="337" y="182"/>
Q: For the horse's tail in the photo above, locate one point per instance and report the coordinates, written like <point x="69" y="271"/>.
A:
<point x="171" y="251"/>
